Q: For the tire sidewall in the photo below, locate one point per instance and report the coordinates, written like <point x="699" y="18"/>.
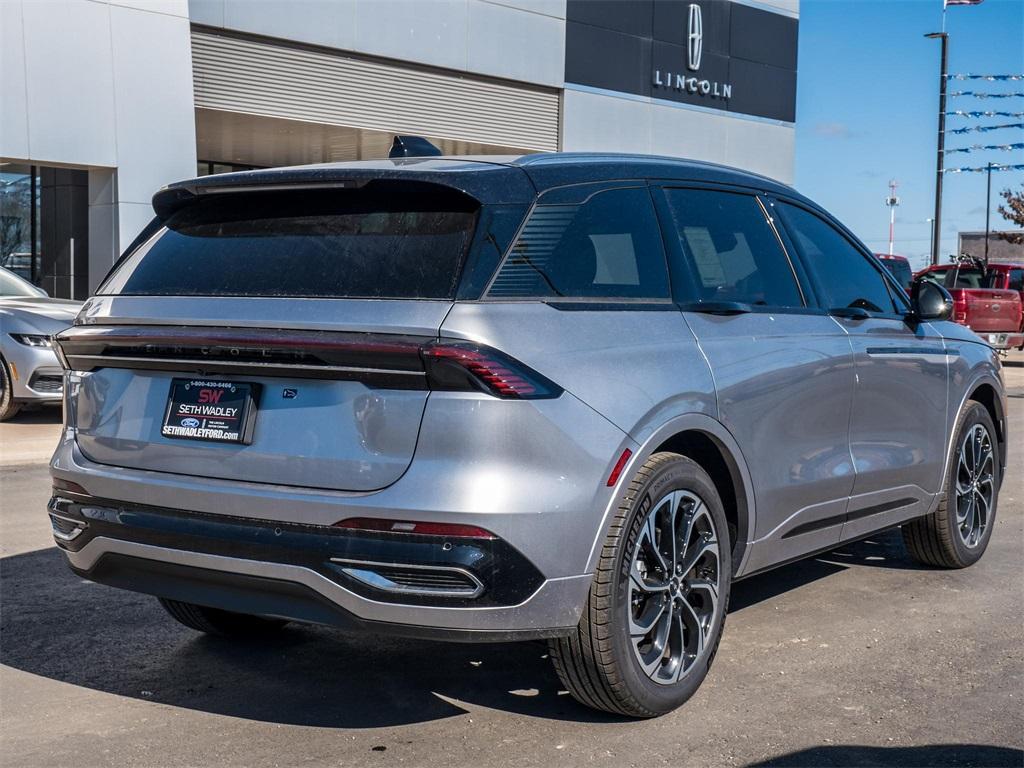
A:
<point x="8" y="407"/>
<point x="679" y="474"/>
<point x="974" y="414"/>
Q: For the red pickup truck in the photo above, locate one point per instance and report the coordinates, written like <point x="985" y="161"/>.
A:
<point x="988" y="299"/>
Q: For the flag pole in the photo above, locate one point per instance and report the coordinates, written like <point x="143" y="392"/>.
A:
<point x="941" y="154"/>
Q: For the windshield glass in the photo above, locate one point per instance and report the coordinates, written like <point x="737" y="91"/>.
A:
<point x="12" y="285"/>
<point x="386" y="240"/>
<point x="900" y="270"/>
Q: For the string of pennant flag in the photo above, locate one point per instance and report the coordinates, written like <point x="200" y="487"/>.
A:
<point x="979" y="147"/>
<point x="994" y="168"/>
<point x="985" y="128"/>
<point x="983" y="95"/>
<point x="966" y="113"/>
<point x="990" y="78"/>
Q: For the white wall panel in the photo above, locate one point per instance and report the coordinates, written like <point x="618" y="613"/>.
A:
<point x="259" y="78"/>
<point x="105" y="86"/>
<point x="156" y="140"/>
<point x="206" y="12"/>
<point x="598" y="123"/>
<point x="322" y="22"/>
<point x="554" y="8"/>
<point x="13" y="96"/>
<point x="689" y="133"/>
<point x="430" y="32"/>
<point x="169" y="7"/>
<point x="510" y="43"/>
<point x="517" y="39"/>
<point x="69" y="75"/>
<point x="763" y="148"/>
<point x="790" y="7"/>
<point x="608" y="123"/>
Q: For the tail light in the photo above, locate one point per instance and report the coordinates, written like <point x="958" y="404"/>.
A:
<point x="447" y="530"/>
<point x="387" y="361"/>
<point x="960" y="308"/>
<point x="454" y="365"/>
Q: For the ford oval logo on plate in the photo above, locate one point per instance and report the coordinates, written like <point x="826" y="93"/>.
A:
<point x="190" y="422"/>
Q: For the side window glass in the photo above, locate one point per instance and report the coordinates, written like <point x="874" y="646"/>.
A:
<point x="1016" y="280"/>
<point x="848" y="279"/>
<point x="608" y="247"/>
<point x="732" y="251"/>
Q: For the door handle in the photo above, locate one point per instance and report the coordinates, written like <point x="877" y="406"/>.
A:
<point x="850" y="313"/>
<point x="717" y="307"/>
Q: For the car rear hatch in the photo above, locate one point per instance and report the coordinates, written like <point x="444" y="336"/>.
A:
<point x="277" y="336"/>
<point x="987" y="310"/>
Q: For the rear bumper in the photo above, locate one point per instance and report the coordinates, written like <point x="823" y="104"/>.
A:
<point x="1003" y="340"/>
<point x="298" y="572"/>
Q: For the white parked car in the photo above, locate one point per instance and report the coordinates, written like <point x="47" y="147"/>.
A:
<point x="29" y="370"/>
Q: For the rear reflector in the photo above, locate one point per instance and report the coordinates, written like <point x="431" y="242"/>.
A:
<point x="613" y="478"/>
<point x="454" y="365"/>
<point x="68" y="487"/>
<point x="449" y="530"/>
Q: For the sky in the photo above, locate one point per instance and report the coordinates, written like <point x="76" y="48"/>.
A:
<point x="867" y="112"/>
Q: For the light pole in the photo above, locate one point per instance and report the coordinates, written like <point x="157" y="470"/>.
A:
<point x="988" y="207"/>
<point x="931" y="235"/>
<point x="940" y="155"/>
<point x="892" y="201"/>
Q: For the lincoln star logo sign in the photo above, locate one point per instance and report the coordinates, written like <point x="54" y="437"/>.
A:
<point x="695" y="37"/>
<point x="691" y="87"/>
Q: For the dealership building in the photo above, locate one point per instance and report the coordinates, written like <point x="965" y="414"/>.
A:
<point x="102" y="103"/>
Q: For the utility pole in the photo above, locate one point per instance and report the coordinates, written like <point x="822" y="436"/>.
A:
<point x="988" y="207"/>
<point x="940" y="155"/>
<point x="892" y="201"/>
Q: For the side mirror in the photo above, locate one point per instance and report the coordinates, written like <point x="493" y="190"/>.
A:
<point x="930" y="301"/>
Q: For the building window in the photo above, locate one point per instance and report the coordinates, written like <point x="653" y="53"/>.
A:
<point x="19" y="226"/>
<point x="210" y="168"/>
<point x="44" y="227"/>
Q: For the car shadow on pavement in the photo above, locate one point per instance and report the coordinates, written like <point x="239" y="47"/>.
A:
<point x="59" y="626"/>
<point x="929" y="756"/>
<point x="41" y="415"/>
<point x="880" y="550"/>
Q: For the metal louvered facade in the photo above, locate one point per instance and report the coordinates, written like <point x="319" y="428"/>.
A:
<point x="261" y="78"/>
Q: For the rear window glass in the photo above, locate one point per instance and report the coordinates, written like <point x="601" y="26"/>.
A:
<point x="385" y="240"/>
<point x="608" y="247"/>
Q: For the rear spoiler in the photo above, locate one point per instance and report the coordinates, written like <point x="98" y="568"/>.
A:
<point x="488" y="182"/>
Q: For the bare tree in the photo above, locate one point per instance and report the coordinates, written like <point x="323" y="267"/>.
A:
<point x="1012" y="210"/>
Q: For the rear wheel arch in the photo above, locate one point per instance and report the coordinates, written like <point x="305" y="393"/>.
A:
<point x="715" y="459"/>
<point x="706" y="441"/>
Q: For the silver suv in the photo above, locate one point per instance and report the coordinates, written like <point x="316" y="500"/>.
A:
<point x="570" y="397"/>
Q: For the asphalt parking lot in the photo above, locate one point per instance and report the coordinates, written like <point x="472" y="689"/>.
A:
<point x="857" y="657"/>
